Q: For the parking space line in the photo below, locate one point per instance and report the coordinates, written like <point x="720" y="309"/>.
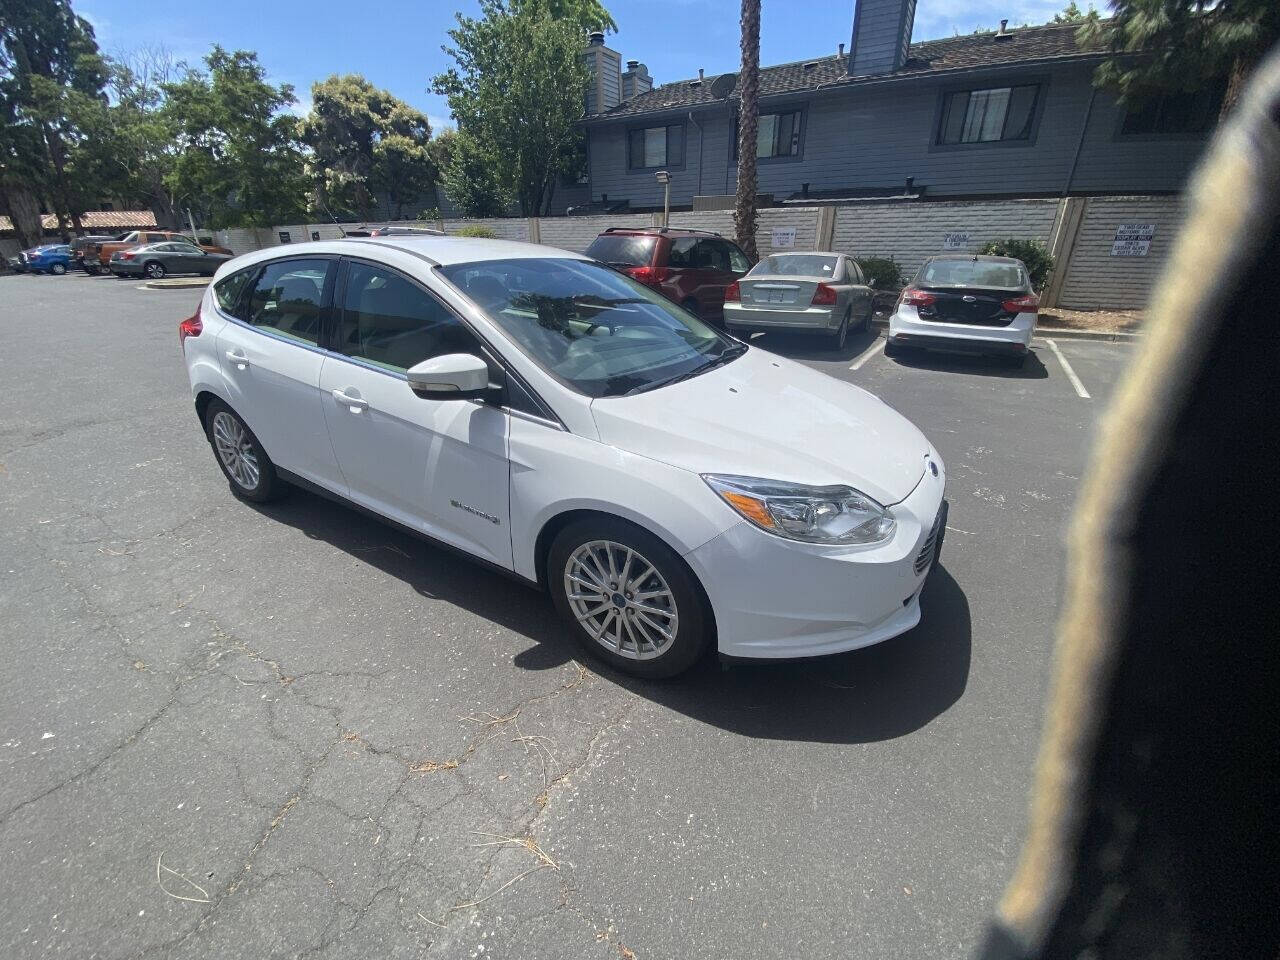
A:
<point x="1066" y="368"/>
<point x="867" y="354"/>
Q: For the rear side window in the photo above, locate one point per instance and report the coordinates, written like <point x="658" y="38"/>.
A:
<point x="288" y="297"/>
<point x="621" y="250"/>
<point x="155" y="237"/>
<point x="227" y="292"/>
<point x="392" y="322"/>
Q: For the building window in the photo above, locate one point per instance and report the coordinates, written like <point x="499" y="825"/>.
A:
<point x="778" y="135"/>
<point x="1175" y="113"/>
<point x="651" y="147"/>
<point x="989" y="115"/>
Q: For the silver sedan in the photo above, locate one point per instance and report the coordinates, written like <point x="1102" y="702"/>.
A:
<point x="818" y="292"/>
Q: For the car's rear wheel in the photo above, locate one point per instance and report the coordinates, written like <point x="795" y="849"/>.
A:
<point x="631" y="600"/>
<point x="839" y="338"/>
<point x="58" y="269"/>
<point x="892" y="349"/>
<point x="154" y="269"/>
<point x="245" y="463"/>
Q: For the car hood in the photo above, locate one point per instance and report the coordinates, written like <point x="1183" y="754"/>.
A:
<point x="765" y="416"/>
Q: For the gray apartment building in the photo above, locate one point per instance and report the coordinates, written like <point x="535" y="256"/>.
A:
<point x="1011" y="113"/>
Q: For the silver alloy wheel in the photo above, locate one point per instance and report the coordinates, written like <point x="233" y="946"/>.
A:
<point x="621" y="600"/>
<point x="155" y="270"/>
<point x="235" y="450"/>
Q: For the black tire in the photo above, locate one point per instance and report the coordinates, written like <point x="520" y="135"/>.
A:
<point x="892" y="349"/>
<point x="154" y="270"/>
<point x="693" y="630"/>
<point x="866" y="321"/>
<point x="58" y="269"/>
<point x="268" y="486"/>
<point x="92" y="269"/>
<point x="841" y="336"/>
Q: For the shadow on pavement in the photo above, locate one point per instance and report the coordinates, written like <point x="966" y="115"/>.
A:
<point x="1032" y="368"/>
<point x="812" y="346"/>
<point x="877" y="693"/>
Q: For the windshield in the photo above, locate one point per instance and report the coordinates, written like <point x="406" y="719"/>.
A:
<point x="795" y="265"/>
<point x="590" y="327"/>
<point x="973" y="273"/>
<point x="622" y="250"/>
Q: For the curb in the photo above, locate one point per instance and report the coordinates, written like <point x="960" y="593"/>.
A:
<point x="178" y="283"/>
<point x="1068" y="333"/>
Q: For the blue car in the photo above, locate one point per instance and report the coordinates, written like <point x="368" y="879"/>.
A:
<point x="52" y="258"/>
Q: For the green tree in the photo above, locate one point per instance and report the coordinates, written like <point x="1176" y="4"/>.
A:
<point x="239" y="160"/>
<point x="586" y="15"/>
<point x="469" y="175"/>
<point x="744" y="208"/>
<point x="51" y="94"/>
<point x="517" y="93"/>
<point x="1072" y="13"/>
<point x="140" y="142"/>
<point x="1182" y="45"/>
<point x="365" y="142"/>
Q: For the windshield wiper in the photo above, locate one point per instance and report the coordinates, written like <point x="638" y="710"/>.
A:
<point x="731" y="352"/>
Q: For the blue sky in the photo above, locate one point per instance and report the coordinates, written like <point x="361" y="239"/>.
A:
<point x="396" y="43"/>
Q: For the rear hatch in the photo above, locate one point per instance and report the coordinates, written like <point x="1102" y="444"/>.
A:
<point x="776" y="293"/>
<point x="970" y="305"/>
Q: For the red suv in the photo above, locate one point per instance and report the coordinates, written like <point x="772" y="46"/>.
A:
<point x="692" y="267"/>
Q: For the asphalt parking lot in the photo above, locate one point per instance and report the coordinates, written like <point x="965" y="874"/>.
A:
<point x="229" y="731"/>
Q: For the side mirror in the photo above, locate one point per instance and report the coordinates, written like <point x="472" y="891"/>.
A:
<point x="872" y="283"/>
<point x="454" y="376"/>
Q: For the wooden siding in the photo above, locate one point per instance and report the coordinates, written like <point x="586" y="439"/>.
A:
<point x="877" y="135"/>
<point x="882" y="35"/>
<point x="1095" y="280"/>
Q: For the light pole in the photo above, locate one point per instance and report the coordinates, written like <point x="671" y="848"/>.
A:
<point x="664" y="178"/>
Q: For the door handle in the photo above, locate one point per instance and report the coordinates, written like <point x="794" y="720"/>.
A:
<point x="354" y="404"/>
<point x="238" y="358"/>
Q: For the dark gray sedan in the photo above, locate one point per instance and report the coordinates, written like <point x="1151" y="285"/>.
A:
<point x="155" y="260"/>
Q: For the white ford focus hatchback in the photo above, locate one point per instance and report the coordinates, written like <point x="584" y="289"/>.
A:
<point x="671" y="487"/>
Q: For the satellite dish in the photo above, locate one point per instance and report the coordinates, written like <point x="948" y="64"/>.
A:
<point x="723" y="85"/>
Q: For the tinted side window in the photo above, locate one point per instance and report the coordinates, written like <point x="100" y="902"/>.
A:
<point x="389" y="321"/>
<point x="288" y="297"/>
<point x="681" y="253"/>
<point x="711" y="255"/>
<point x="155" y="237"/>
<point x="227" y="292"/>
<point x="738" y="261"/>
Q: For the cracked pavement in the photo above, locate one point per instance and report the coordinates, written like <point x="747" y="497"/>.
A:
<point x="289" y="731"/>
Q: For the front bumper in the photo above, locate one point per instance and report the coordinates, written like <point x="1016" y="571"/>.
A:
<point x="817" y="319"/>
<point x="776" y="598"/>
<point x="124" y="268"/>
<point x="907" y="329"/>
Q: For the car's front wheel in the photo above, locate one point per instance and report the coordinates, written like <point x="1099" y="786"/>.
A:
<point x="154" y="270"/>
<point x="631" y="600"/>
<point x="246" y="465"/>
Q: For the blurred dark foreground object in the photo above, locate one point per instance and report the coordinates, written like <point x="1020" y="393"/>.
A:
<point x="1155" y="814"/>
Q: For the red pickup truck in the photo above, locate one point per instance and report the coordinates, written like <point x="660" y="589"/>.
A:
<point x="97" y="256"/>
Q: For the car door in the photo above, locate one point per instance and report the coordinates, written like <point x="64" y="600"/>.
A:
<point x="861" y="295"/>
<point x="718" y="257"/>
<point x="271" y="359"/>
<point x="438" y="466"/>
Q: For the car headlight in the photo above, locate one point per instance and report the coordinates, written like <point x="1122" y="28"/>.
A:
<point x="835" y="515"/>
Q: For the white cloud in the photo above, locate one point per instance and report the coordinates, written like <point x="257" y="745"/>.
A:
<point x="934" y="21"/>
<point x="439" y="123"/>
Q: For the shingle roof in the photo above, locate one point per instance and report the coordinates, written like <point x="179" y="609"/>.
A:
<point x="98" y="220"/>
<point x="931" y="56"/>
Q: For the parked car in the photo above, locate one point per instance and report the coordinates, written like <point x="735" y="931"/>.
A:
<point x="51" y="258"/>
<point x="80" y="247"/>
<point x="671" y="487"/>
<point x="967" y="304"/>
<point x="692" y="267"/>
<point x="101" y="253"/>
<point x="155" y="260"/>
<point x="816" y="292"/>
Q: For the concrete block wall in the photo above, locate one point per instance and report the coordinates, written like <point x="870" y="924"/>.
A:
<point x="912" y="232"/>
<point x="1096" y="280"/>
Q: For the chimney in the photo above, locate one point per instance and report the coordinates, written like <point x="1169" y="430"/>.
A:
<point x="840" y="53"/>
<point x="605" y="68"/>
<point x="881" y="36"/>
<point x="701" y="74"/>
<point x="635" y="80"/>
<point x="1003" y="33"/>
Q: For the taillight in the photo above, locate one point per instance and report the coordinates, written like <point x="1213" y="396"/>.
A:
<point x="733" y="293"/>
<point x="649" y="275"/>
<point x="911" y="297"/>
<point x="126" y="255"/>
<point x="824" y="296"/>
<point x="1028" y="304"/>
<point x="193" y="326"/>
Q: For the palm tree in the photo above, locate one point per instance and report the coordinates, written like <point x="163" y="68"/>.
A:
<point x="744" y="210"/>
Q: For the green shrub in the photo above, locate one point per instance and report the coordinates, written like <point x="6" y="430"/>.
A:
<point x="476" y="230"/>
<point x="1031" y="252"/>
<point x="883" y="270"/>
<point x="431" y="213"/>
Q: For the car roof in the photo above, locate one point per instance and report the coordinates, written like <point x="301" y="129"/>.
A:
<point x="804" y="253"/>
<point x="441" y="251"/>
<point x="983" y="257"/>
<point x="657" y="232"/>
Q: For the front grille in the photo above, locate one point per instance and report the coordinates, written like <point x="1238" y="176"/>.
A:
<point x="925" y="556"/>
